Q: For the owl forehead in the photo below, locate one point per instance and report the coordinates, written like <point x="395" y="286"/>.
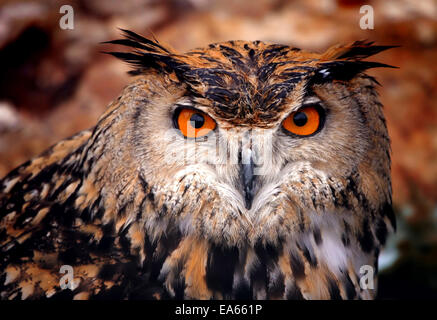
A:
<point x="247" y="83"/>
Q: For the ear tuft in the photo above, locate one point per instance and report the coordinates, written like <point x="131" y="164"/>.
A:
<point x="357" y="50"/>
<point x="345" y="62"/>
<point x="148" y="54"/>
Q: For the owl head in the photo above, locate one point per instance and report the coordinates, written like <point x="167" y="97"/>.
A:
<point x="243" y="169"/>
<point x="247" y="142"/>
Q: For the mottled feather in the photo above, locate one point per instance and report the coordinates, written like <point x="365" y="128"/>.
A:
<point x="132" y="226"/>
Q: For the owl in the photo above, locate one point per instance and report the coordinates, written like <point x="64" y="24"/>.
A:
<point x="242" y="170"/>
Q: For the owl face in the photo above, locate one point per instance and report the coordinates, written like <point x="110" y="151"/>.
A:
<point x="240" y="170"/>
<point x="249" y="142"/>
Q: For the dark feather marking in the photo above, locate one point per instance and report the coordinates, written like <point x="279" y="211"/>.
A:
<point x="230" y="52"/>
<point x="14" y="173"/>
<point x="93" y="211"/>
<point x="349" y="287"/>
<point x="66" y="212"/>
<point x="311" y="258"/>
<point x="299" y="68"/>
<point x="17" y="253"/>
<point x="268" y="257"/>
<point x="274" y="51"/>
<point x="376" y="255"/>
<point x="242" y="291"/>
<point x="345" y="237"/>
<point x="362" y="49"/>
<point x="352" y="187"/>
<point x="297" y="266"/>
<point x="221" y="95"/>
<point x="252" y="54"/>
<point x="387" y="211"/>
<point x="98" y="131"/>
<point x="317" y="236"/>
<point x="3" y="235"/>
<point x="74" y="254"/>
<point x="343" y="70"/>
<point x="265" y="71"/>
<point x="111" y="271"/>
<point x="381" y="231"/>
<point x="155" y="260"/>
<point x="365" y="238"/>
<point x="136" y="37"/>
<point x="220" y="268"/>
<point x="63" y="295"/>
<point x="333" y="289"/>
<point x="294" y="293"/>
<point x="276" y="288"/>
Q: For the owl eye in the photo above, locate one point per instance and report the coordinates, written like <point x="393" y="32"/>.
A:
<point x="304" y="122"/>
<point x="193" y="123"/>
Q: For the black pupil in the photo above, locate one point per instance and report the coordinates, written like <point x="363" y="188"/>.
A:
<point x="300" y="119"/>
<point x="197" y="121"/>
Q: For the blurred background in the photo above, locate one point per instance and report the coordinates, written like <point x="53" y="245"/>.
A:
<point x="55" y="82"/>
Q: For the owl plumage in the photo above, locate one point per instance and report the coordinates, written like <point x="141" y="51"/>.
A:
<point x="142" y="212"/>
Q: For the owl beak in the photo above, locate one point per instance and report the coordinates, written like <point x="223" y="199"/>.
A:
<point x="247" y="177"/>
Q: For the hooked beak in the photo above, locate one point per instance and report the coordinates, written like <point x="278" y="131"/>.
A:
<point x="247" y="176"/>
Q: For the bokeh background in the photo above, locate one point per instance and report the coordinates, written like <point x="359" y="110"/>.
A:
<point x="55" y="82"/>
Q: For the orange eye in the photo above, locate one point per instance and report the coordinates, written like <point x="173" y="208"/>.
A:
<point x="303" y="122"/>
<point x="194" y="123"/>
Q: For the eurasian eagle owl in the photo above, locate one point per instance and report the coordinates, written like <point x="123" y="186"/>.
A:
<point x="239" y="170"/>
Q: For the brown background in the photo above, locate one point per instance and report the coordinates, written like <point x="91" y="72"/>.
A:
<point x="56" y="82"/>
